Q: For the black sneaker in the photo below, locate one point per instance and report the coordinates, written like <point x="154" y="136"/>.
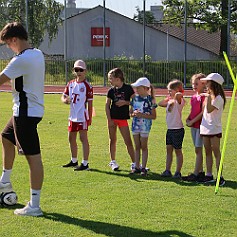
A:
<point x="70" y="164"/>
<point x="190" y="178"/>
<point x="221" y="182"/>
<point x="207" y="179"/>
<point x="201" y="175"/>
<point x="82" y="167"/>
<point x="177" y="175"/>
<point x="135" y="171"/>
<point x="143" y="172"/>
<point x="166" y="173"/>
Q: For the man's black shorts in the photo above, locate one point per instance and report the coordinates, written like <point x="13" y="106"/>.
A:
<point x="22" y="131"/>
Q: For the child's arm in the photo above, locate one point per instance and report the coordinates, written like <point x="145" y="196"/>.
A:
<point x="210" y="107"/>
<point x="124" y="102"/>
<point x="178" y="96"/>
<point x="90" y="108"/>
<point x="65" y="99"/>
<point x="151" y="115"/>
<point x="164" y="102"/>
<point x="107" y="111"/>
<point x="189" y="123"/>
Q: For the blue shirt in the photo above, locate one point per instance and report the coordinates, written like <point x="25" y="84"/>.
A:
<point x="144" y="105"/>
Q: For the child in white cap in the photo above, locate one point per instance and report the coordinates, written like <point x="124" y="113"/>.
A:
<point x="211" y="127"/>
<point x="143" y="112"/>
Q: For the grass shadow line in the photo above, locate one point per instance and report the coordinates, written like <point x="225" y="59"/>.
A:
<point x="155" y="176"/>
<point x="112" y="230"/>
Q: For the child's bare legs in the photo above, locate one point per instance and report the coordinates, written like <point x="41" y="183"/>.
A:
<point x="215" y="143"/>
<point x="144" y="141"/>
<point x="169" y="156"/>
<point x="199" y="160"/>
<point x="112" y="141"/>
<point x="72" y="137"/>
<point x="137" y="142"/>
<point x="128" y="141"/>
<point x="85" y="144"/>
<point x="208" y="151"/>
<point x="179" y="159"/>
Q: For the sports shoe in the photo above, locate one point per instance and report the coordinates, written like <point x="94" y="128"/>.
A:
<point x="70" y="164"/>
<point x="190" y="178"/>
<point x="200" y="176"/>
<point x="143" y="172"/>
<point x="135" y="171"/>
<point x="5" y="187"/>
<point x="114" y="166"/>
<point x="207" y="179"/>
<point x="29" y="211"/>
<point x="147" y="169"/>
<point x="82" y="167"/>
<point x="221" y="182"/>
<point x="133" y="166"/>
<point x="166" y="173"/>
<point x="177" y="175"/>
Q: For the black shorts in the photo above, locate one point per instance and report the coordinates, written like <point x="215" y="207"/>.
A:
<point x="22" y="132"/>
<point x="175" y="137"/>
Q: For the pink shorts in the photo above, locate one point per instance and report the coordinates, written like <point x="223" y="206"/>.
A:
<point x="77" y="126"/>
<point x="120" y="122"/>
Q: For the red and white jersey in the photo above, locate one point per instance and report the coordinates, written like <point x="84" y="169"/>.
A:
<point x="79" y="92"/>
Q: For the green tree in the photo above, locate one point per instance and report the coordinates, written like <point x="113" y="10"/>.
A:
<point x="149" y="17"/>
<point x="43" y="17"/>
<point x="211" y="15"/>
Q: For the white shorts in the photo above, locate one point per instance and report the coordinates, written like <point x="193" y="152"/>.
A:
<point x="141" y="134"/>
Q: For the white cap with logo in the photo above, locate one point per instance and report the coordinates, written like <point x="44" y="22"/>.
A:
<point x="80" y="64"/>
<point x="142" y="81"/>
<point x="214" y="77"/>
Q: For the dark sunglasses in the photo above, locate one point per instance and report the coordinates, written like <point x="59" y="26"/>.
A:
<point x="78" y="69"/>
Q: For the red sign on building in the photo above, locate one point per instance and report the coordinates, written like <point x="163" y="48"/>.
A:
<point x="97" y="36"/>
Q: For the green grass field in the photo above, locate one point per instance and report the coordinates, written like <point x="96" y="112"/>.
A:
<point x="101" y="202"/>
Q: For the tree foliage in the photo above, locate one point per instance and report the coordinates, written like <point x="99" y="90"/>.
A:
<point x="149" y="17"/>
<point x="211" y="15"/>
<point x="43" y="17"/>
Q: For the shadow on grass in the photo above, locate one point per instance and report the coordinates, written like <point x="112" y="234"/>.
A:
<point x="112" y="230"/>
<point x="154" y="176"/>
<point x="18" y="205"/>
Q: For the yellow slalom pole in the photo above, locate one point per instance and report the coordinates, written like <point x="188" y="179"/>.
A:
<point x="228" y="122"/>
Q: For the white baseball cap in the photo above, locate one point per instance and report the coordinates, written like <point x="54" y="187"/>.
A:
<point x="214" y="77"/>
<point x="80" y="64"/>
<point x="142" y="81"/>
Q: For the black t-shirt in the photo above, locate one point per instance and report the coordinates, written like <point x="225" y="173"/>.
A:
<point x="115" y="94"/>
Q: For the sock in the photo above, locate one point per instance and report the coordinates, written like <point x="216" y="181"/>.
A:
<point x="5" y="178"/>
<point x="209" y="174"/>
<point x="84" y="162"/>
<point x="35" y="198"/>
<point x="74" y="160"/>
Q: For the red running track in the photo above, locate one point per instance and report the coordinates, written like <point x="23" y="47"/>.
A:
<point x="99" y="90"/>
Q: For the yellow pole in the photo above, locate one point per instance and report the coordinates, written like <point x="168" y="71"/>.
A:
<point x="228" y="122"/>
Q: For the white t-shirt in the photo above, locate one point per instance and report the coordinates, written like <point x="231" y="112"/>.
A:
<point x="174" y="117"/>
<point x="79" y="93"/>
<point x="211" y="122"/>
<point x="27" y="71"/>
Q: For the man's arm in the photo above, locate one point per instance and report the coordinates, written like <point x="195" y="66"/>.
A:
<point x="3" y="79"/>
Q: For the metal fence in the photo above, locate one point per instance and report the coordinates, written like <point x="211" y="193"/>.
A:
<point x="159" y="72"/>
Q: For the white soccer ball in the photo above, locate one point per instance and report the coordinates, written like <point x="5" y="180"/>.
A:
<point x="8" y="199"/>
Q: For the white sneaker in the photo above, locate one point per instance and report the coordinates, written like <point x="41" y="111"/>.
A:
<point x="5" y="187"/>
<point x="133" y="166"/>
<point x="114" y="166"/>
<point x="29" y="211"/>
<point x="147" y="169"/>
